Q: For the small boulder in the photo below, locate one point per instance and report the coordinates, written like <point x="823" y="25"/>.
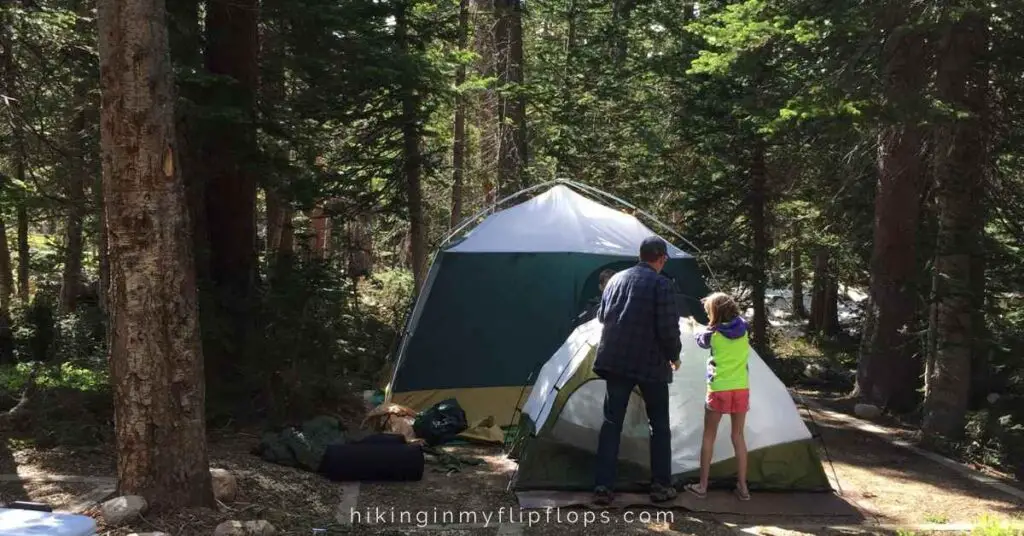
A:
<point x="867" y="411"/>
<point x="230" y="528"/>
<point x="815" y="371"/>
<point x="121" y="509"/>
<point x="225" y="486"/>
<point x="992" y="398"/>
<point x="259" y="528"/>
<point x="247" y="528"/>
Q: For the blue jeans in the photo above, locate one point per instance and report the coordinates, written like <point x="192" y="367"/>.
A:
<point x="616" y="401"/>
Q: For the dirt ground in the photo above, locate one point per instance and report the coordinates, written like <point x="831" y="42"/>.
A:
<point x="889" y="485"/>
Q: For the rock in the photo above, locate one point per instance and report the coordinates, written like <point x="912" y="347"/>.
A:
<point x="225" y="486"/>
<point x="867" y="411"/>
<point x="992" y="398"/>
<point x="121" y="509"/>
<point x="149" y="534"/>
<point x="248" y="528"/>
<point x="815" y="371"/>
<point x="230" y="528"/>
<point x="260" y="528"/>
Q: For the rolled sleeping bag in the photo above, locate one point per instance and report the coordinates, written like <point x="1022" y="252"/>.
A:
<point x="373" y="462"/>
<point x="378" y="439"/>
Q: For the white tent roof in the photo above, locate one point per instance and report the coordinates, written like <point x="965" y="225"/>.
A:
<point x="560" y="221"/>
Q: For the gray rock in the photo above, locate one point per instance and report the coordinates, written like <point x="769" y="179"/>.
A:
<point x="992" y="398"/>
<point x="867" y="411"/>
<point x="149" y="534"/>
<point x="121" y="509"/>
<point x="225" y="486"/>
<point x="248" y="528"/>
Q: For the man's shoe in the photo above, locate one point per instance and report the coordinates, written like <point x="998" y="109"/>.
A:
<point x="603" y="496"/>
<point x="660" y="493"/>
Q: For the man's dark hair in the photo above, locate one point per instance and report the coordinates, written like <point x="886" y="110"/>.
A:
<point x="652" y="249"/>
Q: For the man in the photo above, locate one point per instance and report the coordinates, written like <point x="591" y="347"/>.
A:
<point x="639" y="346"/>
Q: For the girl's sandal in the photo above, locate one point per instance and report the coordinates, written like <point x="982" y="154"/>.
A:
<point x="695" y="489"/>
<point x="742" y="495"/>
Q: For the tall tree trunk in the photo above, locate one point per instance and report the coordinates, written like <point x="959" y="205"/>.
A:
<point x="185" y="35"/>
<point x="156" y="359"/>
<point x="77" y="207"/>
<point x="6" y="275"/>
<point x="819" y="291"/>
<point x="411" y="160"/>
<point x="273" y="93"/>
<point x="797" y="279"/>
<point x="459" y="146"/>
<point x="6" y="88"/>
<point x="887" y="370"/>
<point x="230" y="150"/>
<point x="486" y="106"/>
<point x="759" y="270"/>
<point x="24" y="255"/>
<point x="961" y="166"/>
<point x="71" y="277"/>
<point x="511" y="102"/>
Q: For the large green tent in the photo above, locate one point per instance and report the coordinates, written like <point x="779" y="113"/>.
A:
<point x="498" y="301"/>
<point x="562" y="418"/>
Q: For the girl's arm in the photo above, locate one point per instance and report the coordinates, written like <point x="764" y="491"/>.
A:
<point x="704" y="338"/>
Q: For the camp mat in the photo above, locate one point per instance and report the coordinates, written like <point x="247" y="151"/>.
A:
<point x="717" y="502"/>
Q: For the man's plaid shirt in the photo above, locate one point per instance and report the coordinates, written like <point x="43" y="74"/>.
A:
<point x="640" y="327"/>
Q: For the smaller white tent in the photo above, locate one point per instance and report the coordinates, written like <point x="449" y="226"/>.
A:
<point x="565" y="408"/>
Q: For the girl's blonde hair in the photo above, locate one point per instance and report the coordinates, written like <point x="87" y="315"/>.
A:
<point x="721" y="308"/>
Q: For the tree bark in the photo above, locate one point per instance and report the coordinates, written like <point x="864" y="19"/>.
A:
<point x="887" y="372"/>
<point x="797" y="274"/>
<point x="156" y="358"/>
<point x="960" y="167"/>
<point x="6" y="276"/>
<point x="24" y="255"/>
<point x="486" y="106"/>
<point x="232" y="51"/>
<point x="459" y="146"/>
<point x="759" y="269"/>
<point x="71" y="276"/>
<point x="411" y="160"/>
<point x="511" y="119"/>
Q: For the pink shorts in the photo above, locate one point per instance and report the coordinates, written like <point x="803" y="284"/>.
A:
<point x="735" y="401"/>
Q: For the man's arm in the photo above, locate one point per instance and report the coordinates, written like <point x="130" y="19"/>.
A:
<point x="667" y="320"/>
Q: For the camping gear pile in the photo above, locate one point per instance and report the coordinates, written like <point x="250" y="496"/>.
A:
<point x="394" y="451"/>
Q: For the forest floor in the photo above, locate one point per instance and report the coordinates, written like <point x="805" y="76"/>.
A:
<point x="894" y="491"/>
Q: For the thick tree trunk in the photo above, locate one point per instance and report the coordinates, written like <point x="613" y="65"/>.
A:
<point x="411" y="163"/>
<point x="759" y="268"/>
<point x="887" y="372"/>
<point x="797" y="275"/>
<point x="511" y="119"/>
<point x="230" y="190"/>
<point x="186" y="51"/>
<point x="961" y="166"/>
<point x="459" y="146"/>
<point x="319" y="240"/>
<point x="156" y="358"/>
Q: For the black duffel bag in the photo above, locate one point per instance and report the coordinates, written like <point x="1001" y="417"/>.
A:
<point x="441" y="422"/>
<point x="379" y="459"/>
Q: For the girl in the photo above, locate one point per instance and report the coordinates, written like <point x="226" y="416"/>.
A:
<point x="728" y="387"/>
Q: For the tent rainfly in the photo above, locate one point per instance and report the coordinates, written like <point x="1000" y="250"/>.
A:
<point x="496" y="304"/>
<point x="562" y="418"/>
